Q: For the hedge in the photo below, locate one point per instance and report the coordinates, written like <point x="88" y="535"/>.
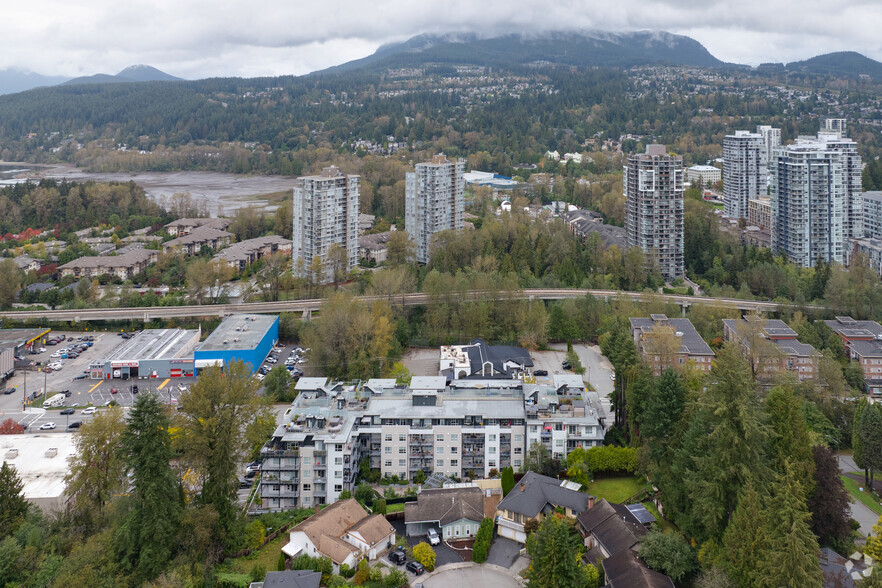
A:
<point x="610" y="459"/>
<point x="482" y="541"/>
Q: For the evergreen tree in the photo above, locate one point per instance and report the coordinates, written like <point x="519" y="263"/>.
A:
<point x="556" y="552"/>
<point x="791" y="558"/>
<point x="870" y="429"/>
<point x="857" y="444"/>
<point x="663" y="411"/>
<point x="829" y="503"/>
<point x="789" y="436"/>
<point x="668" y="553"/>
<point x="732" y="449"/>
<point x="145" y="540"/>
<point x="745" y="539"/>
<point x="13" y="506"/>
<point x="507" y="480"/>
<point x="640" y="389"/>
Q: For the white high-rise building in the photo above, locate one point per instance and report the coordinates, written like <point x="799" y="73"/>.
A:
<point x="771" y="136"/>
<point x="853" y="208"/>
<point x="744" y="171"/>
<point x="325" y="213"/>
<point x="872" y="204"/>
<point x="433" y="201"/>
<point x="834" y="125"/>
<point x="808" y="201"/>
<point x="653" y="187"/>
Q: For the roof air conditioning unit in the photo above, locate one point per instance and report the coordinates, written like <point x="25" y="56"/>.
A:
<point x="225" y="341"/>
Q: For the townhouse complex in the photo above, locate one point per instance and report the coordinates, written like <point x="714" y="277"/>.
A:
<point x="669" y="342"/>
<point x="462" y="429"/>
<point x="774" y="347"/>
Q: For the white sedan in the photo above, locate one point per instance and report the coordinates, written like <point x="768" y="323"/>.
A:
<point x="47" y="426"/>
<point x="90" y="410"/>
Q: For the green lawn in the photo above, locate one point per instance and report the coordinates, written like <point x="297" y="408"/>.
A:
<point x="617" y="489"/>
<point x="865" y="497"/>
<point x="267" y="556"/>
<point x="395" y="507"/>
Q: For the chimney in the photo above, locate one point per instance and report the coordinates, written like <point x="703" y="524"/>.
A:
<point x="523" y="486"/>
<point x="590" y="502"/>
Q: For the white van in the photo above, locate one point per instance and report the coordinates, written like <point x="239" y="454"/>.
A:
<point x="54" y="401"/>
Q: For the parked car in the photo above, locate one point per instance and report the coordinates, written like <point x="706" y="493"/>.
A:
<point x="114" y="390"/>
<point x="398" y="558"/>
<point x="415" y="567"/>
<point x="90" y="410"/>
<point x="9" y="391"/>
<point x="433" y="537"/>
<point x="566" y="364"/>
<point x="612" y="377"/>
<point x="134" y="388"/>
<point x="245" y="483"/>
<point x="540" y="373"/>
<point x="67" y="411"/>
<point x="81" y="376"/>
<point x="47" y="426"/>
<point x="75" y="425"/>
<point x="66" y="393"/>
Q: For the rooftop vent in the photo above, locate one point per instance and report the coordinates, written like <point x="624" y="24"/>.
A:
<point x="51" y="452"/>
<point x="679" y="333"/>
<point x="225" y="341"/>
<point x="12" y="454"/>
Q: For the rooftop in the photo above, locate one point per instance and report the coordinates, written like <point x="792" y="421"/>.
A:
<point x="40" y="460"/>
<point x="536" y="493"/>
<point x="125" y="260"/>
<point x="690" y="341"/>
<point x="446" y="506"/>
<point x="21" y="336"/>
<point x="155" y="344"/>
<point x="239" y="332"/>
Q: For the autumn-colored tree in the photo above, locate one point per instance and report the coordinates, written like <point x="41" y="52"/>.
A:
<point x="10" y="427"/>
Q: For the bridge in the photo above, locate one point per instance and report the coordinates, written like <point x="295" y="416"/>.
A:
<point x="307" y="307"/>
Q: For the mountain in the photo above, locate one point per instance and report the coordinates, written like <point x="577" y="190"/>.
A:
<point x="19" y="80"/>
<point x="133" y="73"/>
<point x="590" y="48"/>
<point x="848" y="63"/>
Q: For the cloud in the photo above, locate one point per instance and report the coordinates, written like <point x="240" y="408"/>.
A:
<point x="199" y="38"/>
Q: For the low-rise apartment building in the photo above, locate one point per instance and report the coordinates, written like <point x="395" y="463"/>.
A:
<point x="785" y="353"/>
<point x="185" y="226"/>
<point x="241" y="254"/>
<point x="464" y="429"/>
<point x="124" y="266"/>
<point x="193" y="242"/>
<point x="670" y="342"/>
<point x="863" y="344"/>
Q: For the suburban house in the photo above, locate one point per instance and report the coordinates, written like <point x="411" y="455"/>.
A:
<point x="863" y="344"/>
<point x="534" y="497"/>
<point x="480" y="360"/>
<point x="454" y="512"/>
<point x="290" y="579"/>
<point x="612" y="534"/>
<point x="28" y="264"/>
<point x="343" y="532"/>
<point x="787" y="354"/>
<point x="626" y="570"/>
<point x="123" y="266"/>
<point x="243" y="253"/>
<point x="193" y="242"/>
<point x="668" y="342"/>
<point x="185" y="226"/>
<point x="374" y="247"/>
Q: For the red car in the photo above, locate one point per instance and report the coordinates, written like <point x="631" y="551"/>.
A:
<point x="114" y="390"/>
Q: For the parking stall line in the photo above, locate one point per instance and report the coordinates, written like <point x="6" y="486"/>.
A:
<point x="161" y="386"/>
<point x="95" y="386"/>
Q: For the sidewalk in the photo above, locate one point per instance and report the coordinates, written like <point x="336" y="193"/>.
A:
<point x="859" y="511"/>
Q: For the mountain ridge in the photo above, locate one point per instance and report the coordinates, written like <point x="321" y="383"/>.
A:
<point x="133" y="73"/>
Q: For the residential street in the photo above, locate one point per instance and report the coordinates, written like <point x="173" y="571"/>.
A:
<point x="859" y="512"/>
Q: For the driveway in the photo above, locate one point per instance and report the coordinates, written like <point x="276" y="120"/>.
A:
<point x="504" y="552"/>
<point x="859" y="511"/>
<point x="443" y="553"/>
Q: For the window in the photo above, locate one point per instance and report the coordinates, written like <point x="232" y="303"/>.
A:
<point x="338" y="461"/>
<point x="402" y="463"/>
<point x="307" y="461"/>
<point x="533" y="428"/>
<point x="402" y="438"/>
<point x="454" y="437"/>
<point x="454" y="463"/>
<point x="388" y="463"/>
<point x="338" y="487"/>
<point x="388" y="449"/>
<point x="558" y="443"/>
<point x="338" y="447"/>
<point x="439" y="449"/>
<point x="519" y="437"/>
<point x="492" y="463"/>
<point x="338" y="474"/>
<point x="454" y="450"/>
<point x="439" y="438"/>
<point x="439" y="463"/>
<point x="307" y="473"/>
<point x="517" y="450"/>
<point x="402" y="450"/>
<point x="388" y="437"/>
<point x="492" y="437"/>
<point x="517" y="463"/>
<point x="492" y="450"/>
<point x="307" y="487"/>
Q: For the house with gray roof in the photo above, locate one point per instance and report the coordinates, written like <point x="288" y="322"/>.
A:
<point x="185" y="226"/>
<point x="456" y="512"/>
<point x="626" y="570"/>
<point x="480" y="360"/>
<point x="243" y="253"/>
<point x="290" y="579"/>
<point x="204" y="236"/>
<point x="533" y="498"/>
<point x="608" y="528"/>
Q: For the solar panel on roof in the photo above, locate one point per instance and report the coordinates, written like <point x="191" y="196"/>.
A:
<point x="640" y="513"/>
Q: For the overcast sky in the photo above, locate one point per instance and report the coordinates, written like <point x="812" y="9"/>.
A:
<point x="201" y="38"/>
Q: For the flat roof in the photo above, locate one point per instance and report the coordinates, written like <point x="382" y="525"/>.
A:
<point x="491" y="407"/>
<point x="428" y="383"/>
<point x="240" y="331"/>
<point x="21" y="336"/>
<point x="154" y="344"/>
<point x="41" y="469"/>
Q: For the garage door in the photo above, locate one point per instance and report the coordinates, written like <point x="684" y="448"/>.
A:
<point x="518" y="536"/>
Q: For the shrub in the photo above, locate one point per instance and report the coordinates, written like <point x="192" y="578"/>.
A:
<point x="507" y="480"/>
<point x="482" y="541"/>
<point x="395" y="579"/>
<point x="380" y="506"/>
<point x="258" y="573"/>
<point x="375" y="574"/>
<point x="282" y="562"/>
<point x="255" y="534"/>
<point x="423" y="553"/>
<point x="611" y="459"/>
<point x="346" y="571"/>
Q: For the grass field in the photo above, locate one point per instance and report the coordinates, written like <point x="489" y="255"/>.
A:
<point x="617" y="489"/>
<point x="395" y="507"/>
<point x="865" y="497"/>
<point x="267" y="557"/>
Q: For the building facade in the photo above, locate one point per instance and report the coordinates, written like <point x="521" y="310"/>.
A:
<point x="744" y="170"/>
<point x="863" y="344"/>
<point x="771" y="137"/>
<point x="670" y="342"/>
<point x="872" y="225"/>
<point x="325" y="213"/>
<point x="774" y="348"/>
<point x="433" y="201"/>
<point x="248" y="338"/>
<point x="759" y="213"/>
<point x="706" y="174"/>
<point x="654" y="208"/>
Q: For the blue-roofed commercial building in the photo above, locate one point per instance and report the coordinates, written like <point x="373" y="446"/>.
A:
<point x="240" y="337"/>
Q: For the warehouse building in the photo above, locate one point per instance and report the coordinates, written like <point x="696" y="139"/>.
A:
<point x="152" y="353"/>
<point x="14" y="342"/>
<point x="41" y="461"/>
<point x="240" y="337"/>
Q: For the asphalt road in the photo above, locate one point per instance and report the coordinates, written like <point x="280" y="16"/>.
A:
<point x="859" y="511"/>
